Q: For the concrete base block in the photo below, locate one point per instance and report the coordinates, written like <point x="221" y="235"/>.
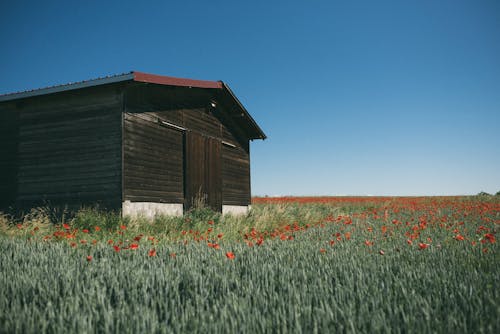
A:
<point x="235" y="210"/>
<point x="150" y="210"/>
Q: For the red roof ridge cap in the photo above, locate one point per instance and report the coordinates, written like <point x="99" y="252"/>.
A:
<point x="173" y="81"/>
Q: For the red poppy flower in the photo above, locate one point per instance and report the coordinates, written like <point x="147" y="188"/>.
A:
<point x="210" y="222"/>
<point x="220" y="235"/>
<point x="123" y="227"/>
<point x="89" y="258"/>
<point x="459" y="237"/>
<point x="85" y="230"/>
<point x="110" y="242"/>
<point x="65" y="226"/>
<point x="134" y="246"/>
<point x="97" y="228"/>
<point x="173" y="255"/>
<point x="20" y="226"/>
<point x="490" y="237"/>
<point x="230" y="255"/>
<point x="322" y="250"/>
<point x="117" y="248"/>
<point x="368" y="243"/>
<point x="260" y="242"/>
<point x="152" y="252"/>
<point x="422" y="245"/>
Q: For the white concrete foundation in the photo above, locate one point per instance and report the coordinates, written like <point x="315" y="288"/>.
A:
<point x="235" y="210"/>
<point x="150" y="210"/>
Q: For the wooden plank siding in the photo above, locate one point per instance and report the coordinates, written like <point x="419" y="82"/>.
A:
<point x="203" y="180"/>
<point x="69" y="150"/>
<point x="153" y="161"/>
<point x="234" y="161"/>
<point x="8" y="155"/>
<point x="235" y="171"/>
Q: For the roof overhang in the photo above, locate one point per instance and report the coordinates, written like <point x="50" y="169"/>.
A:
<point x="254" y="131"/>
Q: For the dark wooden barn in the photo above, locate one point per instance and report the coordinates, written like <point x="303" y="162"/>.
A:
<point x="138" y="142"/>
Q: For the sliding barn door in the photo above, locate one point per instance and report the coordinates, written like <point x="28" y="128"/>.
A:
<point x="203" y="180"/>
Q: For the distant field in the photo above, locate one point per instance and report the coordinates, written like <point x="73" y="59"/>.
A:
<point x="315" y="264"/>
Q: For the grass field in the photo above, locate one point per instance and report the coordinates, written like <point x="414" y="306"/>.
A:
<point x="292" y="265"/>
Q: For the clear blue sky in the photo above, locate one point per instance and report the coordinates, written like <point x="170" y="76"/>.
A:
<point x="356" y="97"/>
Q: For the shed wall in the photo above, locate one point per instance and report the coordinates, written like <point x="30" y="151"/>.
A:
<point x="152" y="161"/>
<point x="8" y="155"/>
<point x="69" y="149"/>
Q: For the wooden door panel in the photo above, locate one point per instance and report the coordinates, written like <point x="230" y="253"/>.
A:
<point x="203" y="177"/>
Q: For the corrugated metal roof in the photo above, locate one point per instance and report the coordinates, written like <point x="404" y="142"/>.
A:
<point x="139" y="77"/>
<point x="133" y="76"/>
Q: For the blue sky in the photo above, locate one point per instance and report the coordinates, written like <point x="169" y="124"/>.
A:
<point x="356" y="97"/>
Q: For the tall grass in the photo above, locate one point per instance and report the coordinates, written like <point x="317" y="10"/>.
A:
<point x="305" y="284"/>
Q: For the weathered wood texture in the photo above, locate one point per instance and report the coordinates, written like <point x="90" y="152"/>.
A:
<point x="203" y="171"/>
<point x="235" y="172"/>
<point x="153" y="160"/>
<point x="190" y="109"/>
<point x="69" y="148"/>
<point x="235" y="161"/>
<point x="8" y="154"/>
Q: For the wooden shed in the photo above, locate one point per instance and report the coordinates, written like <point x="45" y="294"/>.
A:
<point x="142" y="143"/>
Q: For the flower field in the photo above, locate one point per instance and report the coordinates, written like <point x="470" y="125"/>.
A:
<point x="306" y="264"/>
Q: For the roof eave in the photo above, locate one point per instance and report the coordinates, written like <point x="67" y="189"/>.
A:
<point x="68" y="86"/>
<point x="259" y="134"/>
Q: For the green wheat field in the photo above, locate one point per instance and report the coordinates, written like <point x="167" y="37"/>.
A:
<point x="292" y="265"/>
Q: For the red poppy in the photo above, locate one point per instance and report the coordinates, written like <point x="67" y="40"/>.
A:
<point x="220" y="235"/>
<point x="422" y="245"/>
<point x="123" y="227"/>
<point x="134" y="246"/>
<point x="490" y="237"/>
<point x="459" y="237"/>
<point x="97" y="228"/>
<point x="230" y="255"/>
<point x="110" y="242"/>
<point x="85" y="230"/>
<point x="173" y="255"/>
<point x="322" y="250"/>
<point x="89" y="258"/>
<point x="210" y="222"/>
<point x="368" y="243"/>
<point x="19" y="226"/>
<point x="260" y="242"/>
<point x="152" y="252"/>
<point x="66" y="226"/>
<point x="117" y="248"/>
